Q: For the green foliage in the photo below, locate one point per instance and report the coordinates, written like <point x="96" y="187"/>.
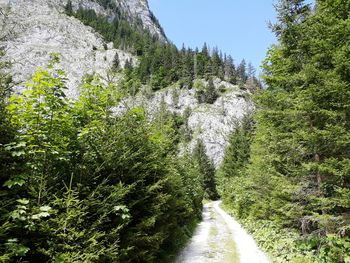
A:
<point x="69" y="8"/>
<point x="297" y="173"/>
<point x="206" y="93"/>
<point x="80" y="184"/>
<point x="206" y="169"/>
<point x="231" y="177"/>
<point x="160" y="63"/>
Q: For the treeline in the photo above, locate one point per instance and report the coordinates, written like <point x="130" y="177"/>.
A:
<point x="80" y="184"/>
<point x="286" y="173"/>
<point x="160" y="63"/>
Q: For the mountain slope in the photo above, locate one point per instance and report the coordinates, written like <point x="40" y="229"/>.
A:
<point x="211" y="123"/>
<point x="40" y="27"/>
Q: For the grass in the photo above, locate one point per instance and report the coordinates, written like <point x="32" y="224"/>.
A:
<point x="231" y="255"/>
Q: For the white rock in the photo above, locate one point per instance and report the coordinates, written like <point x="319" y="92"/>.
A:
<point x="140" y="9"/>
<point x="40" y="27"/>
<point x="211" y="123"/>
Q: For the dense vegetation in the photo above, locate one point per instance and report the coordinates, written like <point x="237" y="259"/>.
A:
<point x="79" y="184"/>
<point x="206" y="169"/>
<point x="288" y="178"/>
<point x="161" y="63"/>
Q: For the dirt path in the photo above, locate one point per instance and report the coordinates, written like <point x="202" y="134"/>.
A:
<point x="220" y="239"/>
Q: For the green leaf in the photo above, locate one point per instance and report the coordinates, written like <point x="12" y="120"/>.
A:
<point x="60" y="259"/>
<point x="18" y="153"/>
<point x="19" y="180"/>
<point x="45" y="208"/>
<point x="40" y="215"/>
<point x="18" y="250"/>
<point x="23" y="201"/>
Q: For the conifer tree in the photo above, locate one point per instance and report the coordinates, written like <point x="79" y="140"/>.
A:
<point x="116" y="62"/>
<point x="207" y="171"/>
<point x="242" y="71"/>
<point x="229" y="70"/>
<point x="211" y="93"/>
<point x="69" y="8"/>
<point x="297" y="177"/>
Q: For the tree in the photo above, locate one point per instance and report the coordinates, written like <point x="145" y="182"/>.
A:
<point x="116" y="61"/>
<point x="73" y="193"/>
<point x="206" y="169"/>
<point x="297" y="176"/>
<point x="205" y="93"/>
<point x="242" y="71"/>
<point x="229" y="70"/>
<point x="234" y="165"/>
<point x="69" y="8"/>
<point x="211" y="93"/>
<point x="250" y="71"/>
<point x="216" y="62"/>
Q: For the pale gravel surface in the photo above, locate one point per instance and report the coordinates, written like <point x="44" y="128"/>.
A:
<point x="219" y="238"/>
<point x="248" y="250"/>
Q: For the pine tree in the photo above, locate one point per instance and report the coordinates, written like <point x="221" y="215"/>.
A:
<point x="229" y="70"/>
<point x="232" y="171"/>
<point x="207" y="170"/>
<point x="211" y="94"/>
<point x="297" y="176"/>
<point x="242" y="71"/>
<point x="68" y="8"/>
<point x="216" y="62"/>
<point x="116" y="62"/>
<point x="250" y="71"/>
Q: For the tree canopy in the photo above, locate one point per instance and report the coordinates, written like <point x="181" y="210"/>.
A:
<point x="297" y="175"/>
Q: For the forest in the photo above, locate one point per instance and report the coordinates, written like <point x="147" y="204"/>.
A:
<point x="286" y="170"/>
<point x="80" y="183"/>
<point x="162" y="63"/>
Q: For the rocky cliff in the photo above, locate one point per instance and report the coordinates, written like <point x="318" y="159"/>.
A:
<point x="212" y="123"/>
<point x="40" y="27"/>
<point x="36" y="28"/>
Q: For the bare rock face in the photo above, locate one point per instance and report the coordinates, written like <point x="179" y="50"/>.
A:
<point x="135" y="9"/>
<point x="40" y="27"/>
<point x="36" y="28"/>
<point x="140" y="9"/>
<point x="212" y="123"/>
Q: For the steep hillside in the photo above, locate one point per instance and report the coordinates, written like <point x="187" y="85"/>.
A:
<point x="140" y="9"/>
<point x="41" y="27"/>
<point x="117" y="170"/>
<point x="133" y="9"/>
<point x="211" y="123"/>
<point x="129" y="33"/>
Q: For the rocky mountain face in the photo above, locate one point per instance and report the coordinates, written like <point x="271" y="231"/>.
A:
<point x="134" y="9"/>
<point x="211" y="123"/>
<point x="39" y="27"/>
<point x="36" y="28"/>
<point x="140" y="9"/>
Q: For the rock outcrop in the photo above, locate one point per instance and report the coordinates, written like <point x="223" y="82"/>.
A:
<point x="134" y="9"/>
<point x="140" y="9"/>
<point x="40" y="27"/>
<point x="212" y="123"/>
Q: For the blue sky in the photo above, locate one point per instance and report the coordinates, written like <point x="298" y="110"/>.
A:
<point x="238" y="27"/>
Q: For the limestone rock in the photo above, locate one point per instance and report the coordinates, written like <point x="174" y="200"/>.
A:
<point x="40" y="27"/>
<point x="211" y="123"/>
